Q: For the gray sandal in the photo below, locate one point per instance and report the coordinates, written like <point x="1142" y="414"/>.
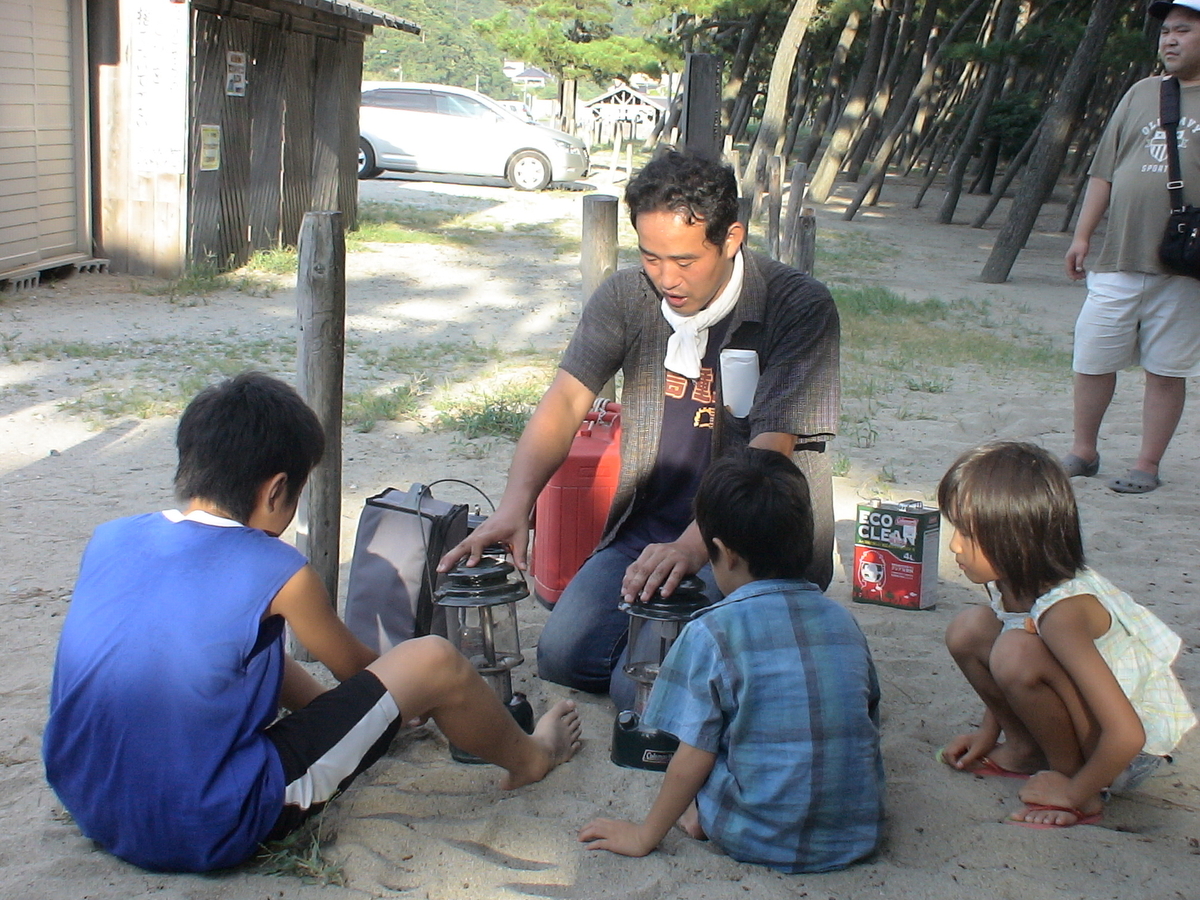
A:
<point x="1135" y="481"/>
<point x="1075" y="466"/>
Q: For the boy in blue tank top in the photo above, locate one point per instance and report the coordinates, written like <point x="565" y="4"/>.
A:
<point x="771" y="691"/>
<point x="163" y="740"/>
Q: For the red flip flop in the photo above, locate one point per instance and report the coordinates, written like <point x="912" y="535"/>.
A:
<point x="984" y="767"/>
<point x="1081" y="818"/>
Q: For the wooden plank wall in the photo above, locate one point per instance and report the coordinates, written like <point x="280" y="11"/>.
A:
<point x="299" y="78"/>
<point x="266" y="139"/>
<point x="288" y="146"/>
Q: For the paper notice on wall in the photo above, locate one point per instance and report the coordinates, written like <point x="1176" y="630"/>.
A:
<point x="235" y="74"/>
<point x="210" y="148"/>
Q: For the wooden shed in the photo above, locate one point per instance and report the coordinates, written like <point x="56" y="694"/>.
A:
<point x="45" y="221"/>
<point x="622" y="108"/>
<point x="200" y="130"/>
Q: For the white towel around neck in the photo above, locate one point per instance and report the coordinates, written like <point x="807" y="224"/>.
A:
<point x="689" y="341"/>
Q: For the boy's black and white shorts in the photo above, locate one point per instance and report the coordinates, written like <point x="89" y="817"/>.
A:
<point x="325" y="745"/>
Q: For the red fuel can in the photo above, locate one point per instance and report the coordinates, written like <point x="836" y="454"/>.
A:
<point x="572" y="508"/>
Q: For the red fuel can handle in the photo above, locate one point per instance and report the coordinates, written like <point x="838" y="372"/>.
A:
<point x="572" y="508"/>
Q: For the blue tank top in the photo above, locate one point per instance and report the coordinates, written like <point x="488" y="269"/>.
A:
<point x="165" y="678"/>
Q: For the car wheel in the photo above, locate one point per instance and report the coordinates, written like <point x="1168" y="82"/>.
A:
<point x="528" y="171"/>
<point x="366" y="161"/>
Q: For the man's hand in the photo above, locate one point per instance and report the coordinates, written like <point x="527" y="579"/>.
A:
<point x="664" y="565"/>
<point x="1076" y="254"/>
<point x="1095" y="204"/>
<point x="625" y="838"/>
<point x="510" y="529"/>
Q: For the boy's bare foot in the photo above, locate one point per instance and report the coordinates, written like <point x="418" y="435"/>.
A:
<point x="557" y="734"/>
<point x="689" y="822"/>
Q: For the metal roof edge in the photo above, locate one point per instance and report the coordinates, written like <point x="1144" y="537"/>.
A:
<point x="361" y="13"/>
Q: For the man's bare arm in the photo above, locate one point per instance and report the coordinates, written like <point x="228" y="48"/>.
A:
<point x="543" y="446"/>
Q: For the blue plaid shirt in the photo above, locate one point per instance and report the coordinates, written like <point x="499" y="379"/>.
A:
<point x="777" y="681"/>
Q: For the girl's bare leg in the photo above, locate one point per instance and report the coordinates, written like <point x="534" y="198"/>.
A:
<point x="1046" y="700"/>
<point x="971" y="639"/>
<point x="427" y="677"/>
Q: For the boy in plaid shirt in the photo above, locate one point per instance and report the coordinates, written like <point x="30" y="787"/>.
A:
<point x="771" y="692"/>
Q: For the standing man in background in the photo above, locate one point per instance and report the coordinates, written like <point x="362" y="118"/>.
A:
<point x="1135" y="312"/>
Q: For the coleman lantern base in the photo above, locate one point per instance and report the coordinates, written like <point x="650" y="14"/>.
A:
<point x="633" y="748"/>
<point x="519" y="706"/>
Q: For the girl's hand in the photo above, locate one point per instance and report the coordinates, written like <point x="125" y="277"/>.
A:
<point x="966" y="750"/>
<point x="625" y="838"/>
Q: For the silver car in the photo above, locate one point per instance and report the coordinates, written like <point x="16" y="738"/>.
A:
<point x="450" y="130"/>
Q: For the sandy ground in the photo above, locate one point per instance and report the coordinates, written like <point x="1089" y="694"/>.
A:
<point x="419" y="825"/>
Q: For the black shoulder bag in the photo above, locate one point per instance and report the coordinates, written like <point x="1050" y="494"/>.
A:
<point x="1179" y="251"/>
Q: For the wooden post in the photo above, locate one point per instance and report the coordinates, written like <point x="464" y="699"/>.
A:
<point x="745" y="212"/>
<point x="775" y="203"/>
<point x="321" y="310"/>
<point x="598" y="258"/>
<point x="805" y="246"/>
<point x="567" y="95"/>
<point x="795" y="207"/>
<point x="702" y="105"/>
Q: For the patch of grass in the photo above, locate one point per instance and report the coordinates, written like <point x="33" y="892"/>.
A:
<point x="364" y="409"/>
<point x="497" y="412"/>
<point x="198" y="281"/>
<point x="841" y="465"/>
<point x="905" y="414"/>
<point x="467" y="449"/>
<point x="82" y="350"/>
<point x="850" y="253"/>
<point x="443" y="354"/>
<point x="136" y="400"/>
<point x="155" y="378"/>
<point x="860" y="388"/>
<point x="301" y="855"/>
<point x="880" y="328"/>
<point x="398" y="223"/>
<point x="862" y="428"/>
<point x="279" y="261"/>
<point x="858" y="303"/>
<point x="928" y="385"/>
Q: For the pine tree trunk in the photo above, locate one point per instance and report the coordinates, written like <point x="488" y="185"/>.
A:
<point x="737" y="69"/>
<point x="1006" y="18"/>
<point x="879" y="169"/>
<point x="833" y="86"/>
<point x="770" y="129"/>
<point x="1046" y="160"/>
<point x="831" y="160"/>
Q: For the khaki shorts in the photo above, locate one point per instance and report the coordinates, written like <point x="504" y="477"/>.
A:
<point x="1130" y="318"/>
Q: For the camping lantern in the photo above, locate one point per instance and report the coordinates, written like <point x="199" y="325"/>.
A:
<point x="481" y="621"/>
<point x="653" y="628"/>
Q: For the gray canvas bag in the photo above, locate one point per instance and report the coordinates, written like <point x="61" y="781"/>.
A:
<point x="393" y="573"/>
